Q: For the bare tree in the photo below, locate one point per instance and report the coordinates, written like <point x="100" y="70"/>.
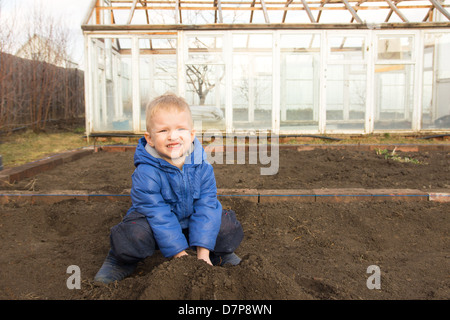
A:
<point x="7" y="36"/>
<point x="36" y="87"/>
<point x="47" y="43"/>
<point x="204" y="74"/>
<point x="199" y="76"/>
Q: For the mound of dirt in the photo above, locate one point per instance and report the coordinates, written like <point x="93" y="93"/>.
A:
<point x="190" y="279"/>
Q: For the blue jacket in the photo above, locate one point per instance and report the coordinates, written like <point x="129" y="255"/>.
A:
<point x="174" y="199"/>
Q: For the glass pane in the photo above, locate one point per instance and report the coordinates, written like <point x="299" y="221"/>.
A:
<point x="209" y="44"/>
<point x="436" y="82"/>
<point x="241" y="70"/>
<point x="157" y="75"/>
<point x="111" y="88"/>
<point x="157" y="43"/>
<point x="347" y="48"/>
<point x="300" y="56"/>
<point x="252" y="81"/>
<point x="252" y="41"/>
<point x="123" y="43"/>
<point x="205" y="93"/>
<point x="124" y="95"/>
<point x="346" y="97"/>
<point x="393" y="96"/>
<point x="300" y="42"/>
<point x="395" y="47"/>
<point x="300" y="91"/>
<point x="205" y="81"/>
<point x="157" y="71"/>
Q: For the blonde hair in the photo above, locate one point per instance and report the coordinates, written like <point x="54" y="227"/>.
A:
<point x="166" y="102"/>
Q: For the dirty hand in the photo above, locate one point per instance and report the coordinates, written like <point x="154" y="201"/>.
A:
<point x="203" y="254"/>
<point x="180" y="254"/>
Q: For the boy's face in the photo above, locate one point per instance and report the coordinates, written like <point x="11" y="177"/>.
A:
<point x="171" y="135"/>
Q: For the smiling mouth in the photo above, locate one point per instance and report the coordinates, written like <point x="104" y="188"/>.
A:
<point x="174" y="145"/>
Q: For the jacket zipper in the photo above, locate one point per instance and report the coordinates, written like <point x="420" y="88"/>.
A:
<point x="185" y="193"/>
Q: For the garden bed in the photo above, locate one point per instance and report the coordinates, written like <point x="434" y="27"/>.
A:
<point x="305" y="168"/>
<point x="293" y="249"/>
<point x="290" y="251"/>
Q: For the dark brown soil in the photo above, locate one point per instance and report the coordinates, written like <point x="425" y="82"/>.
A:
<point x="291" y="250"/>
<point x="110" y="172"/>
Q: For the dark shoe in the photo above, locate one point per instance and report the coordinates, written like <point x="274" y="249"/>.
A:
<point x="113" y="270"/>
<point x="220" y="260"/>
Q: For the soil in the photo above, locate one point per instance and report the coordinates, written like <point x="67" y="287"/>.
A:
<point x="110" y="172"/>
<point x="291" y="250"/>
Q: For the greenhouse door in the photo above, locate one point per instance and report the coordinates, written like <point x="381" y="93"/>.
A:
<point x="396" y="98"/>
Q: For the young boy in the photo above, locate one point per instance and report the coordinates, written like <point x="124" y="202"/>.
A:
<point x="174" y="198"/>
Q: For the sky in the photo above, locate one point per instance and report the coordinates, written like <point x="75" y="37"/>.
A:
<point x="71" y="13"/>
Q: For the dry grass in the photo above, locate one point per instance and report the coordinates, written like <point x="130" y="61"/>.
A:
<point x="28" y="146"/>
<point x="20" y="148"/>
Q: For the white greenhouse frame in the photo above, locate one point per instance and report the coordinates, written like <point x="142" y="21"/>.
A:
<point x="103" y="31"/>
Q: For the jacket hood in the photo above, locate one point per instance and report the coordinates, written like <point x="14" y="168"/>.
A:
<point x="145" y="154"/>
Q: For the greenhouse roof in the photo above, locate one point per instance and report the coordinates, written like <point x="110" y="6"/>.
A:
<point x="204" y="14"/>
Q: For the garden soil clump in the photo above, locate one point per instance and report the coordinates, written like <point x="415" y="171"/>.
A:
<point x="291" y="250"/>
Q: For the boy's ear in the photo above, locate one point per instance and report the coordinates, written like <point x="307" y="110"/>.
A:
<point x="193" y="135"/>
<point x="148" y="138"/>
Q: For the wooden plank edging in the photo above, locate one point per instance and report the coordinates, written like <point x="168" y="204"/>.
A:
<point x="253" y="195"/>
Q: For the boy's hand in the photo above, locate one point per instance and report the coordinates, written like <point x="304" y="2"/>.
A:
<point x="203" y="254"/>
<point x="180" y="254"/>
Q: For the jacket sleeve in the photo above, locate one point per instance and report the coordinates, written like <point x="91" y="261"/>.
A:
<point x="204" y="223"/>
<point x="147" y="200"/>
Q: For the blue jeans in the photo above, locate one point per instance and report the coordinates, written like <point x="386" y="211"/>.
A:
<point x="132" y="239"/>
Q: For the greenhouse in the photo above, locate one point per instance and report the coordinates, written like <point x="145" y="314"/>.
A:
<point x="289" y="67"/>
